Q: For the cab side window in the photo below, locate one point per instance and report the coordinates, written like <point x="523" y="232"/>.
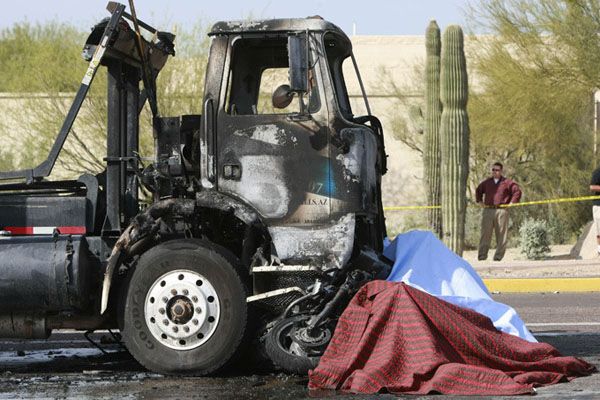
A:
<point x="258" y="67"/>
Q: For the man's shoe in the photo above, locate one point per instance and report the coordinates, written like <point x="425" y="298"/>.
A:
<point x="497" y="259"/>
<point x="481" y="258"/>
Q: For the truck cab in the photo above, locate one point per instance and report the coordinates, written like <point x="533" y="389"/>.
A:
<point x="311" y="170"/>
<point x="266" y="212"/>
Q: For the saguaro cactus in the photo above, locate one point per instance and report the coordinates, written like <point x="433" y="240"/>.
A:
<point x="433" y="114"/>
<point x="454" y="132"/>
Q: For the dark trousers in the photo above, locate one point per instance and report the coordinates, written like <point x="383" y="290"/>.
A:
<point x="493" y="220"/>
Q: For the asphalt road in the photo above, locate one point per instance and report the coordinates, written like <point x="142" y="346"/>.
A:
<point x="554" y="313"/>
<point x="67" y="366"/>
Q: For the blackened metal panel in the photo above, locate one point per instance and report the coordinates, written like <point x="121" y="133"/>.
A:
<point x="298" y="56"/>
<point x="213" y="82"/>
<point x="276" y="163"/>
<point x="214" y="69"/>
<point x="44" y="273"/>
<point x="275" y="25"/>
<point x="91" y="194"/>
<point x="34" y="211"/>
<point x="207" y="141"/>
<point x="353" y="160"/>
<point x="41" y="187"/>
<point x="112" y="223"/>
<point x="169" y="160"/>
<point x="357" y="161"/>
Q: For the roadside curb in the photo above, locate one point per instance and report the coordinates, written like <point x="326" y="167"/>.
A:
<point x="529" y="264"/>
<point x="537" y="285"/>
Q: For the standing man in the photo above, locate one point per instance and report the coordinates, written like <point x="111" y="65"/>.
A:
<point x="492" y="193"/>
<point x="595" y="187"/>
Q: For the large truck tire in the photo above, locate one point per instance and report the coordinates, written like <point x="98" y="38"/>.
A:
<point x="184" y="310"/>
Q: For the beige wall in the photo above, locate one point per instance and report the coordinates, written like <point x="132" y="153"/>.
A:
<point x="399" y="58"/>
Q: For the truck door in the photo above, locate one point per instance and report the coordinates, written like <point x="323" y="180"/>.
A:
<point x="274" y="159"/>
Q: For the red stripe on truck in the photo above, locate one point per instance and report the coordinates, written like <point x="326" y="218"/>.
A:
<point x="19" y="230"/>
<point x="44" y="230"/>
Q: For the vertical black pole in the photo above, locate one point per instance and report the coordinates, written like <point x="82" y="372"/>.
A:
<point x="132" y="83"/>
<point x="123" y="144"/>
<point x="112" y="223"/>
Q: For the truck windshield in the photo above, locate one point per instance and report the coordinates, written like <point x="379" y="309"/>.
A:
<point x="349" y="93"/>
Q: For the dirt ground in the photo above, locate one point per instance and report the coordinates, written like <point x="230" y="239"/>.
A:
<point x="558" y="264"/>
<point x="557" y="252"/>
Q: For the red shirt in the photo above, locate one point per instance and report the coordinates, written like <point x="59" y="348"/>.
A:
<point x="504" y="192"/>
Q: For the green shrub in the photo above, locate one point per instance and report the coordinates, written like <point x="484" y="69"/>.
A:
<point x="534" y="239"/>
<point x="472" y="227"/>
<point x="398" y="223"/>
<point x="557" y="231"/>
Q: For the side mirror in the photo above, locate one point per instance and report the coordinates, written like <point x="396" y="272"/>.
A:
<point x="282" y="96"/>
<point x="298" y="62"/>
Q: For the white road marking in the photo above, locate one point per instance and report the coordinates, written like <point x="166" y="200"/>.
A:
<point x="540" y="324"/>
<point x="563" y="334"/>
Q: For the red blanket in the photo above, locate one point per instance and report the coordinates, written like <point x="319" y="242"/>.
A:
<point x="394" y="337"/>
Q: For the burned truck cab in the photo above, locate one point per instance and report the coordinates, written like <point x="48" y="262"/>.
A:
<point x="279" y="182"/>
<point x="267" y="203"/>
<point x="278" y="134"/>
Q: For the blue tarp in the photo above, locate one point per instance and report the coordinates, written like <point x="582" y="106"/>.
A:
<point x="424" y="262"/>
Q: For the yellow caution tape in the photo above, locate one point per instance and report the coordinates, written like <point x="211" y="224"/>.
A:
<point x="551" y="201"/>
<point x="526" y="203"/>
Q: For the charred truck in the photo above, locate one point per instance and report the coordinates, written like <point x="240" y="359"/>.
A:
<point x="262" y="224"/>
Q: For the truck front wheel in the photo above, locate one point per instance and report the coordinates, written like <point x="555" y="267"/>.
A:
<point x="185" y="308"/>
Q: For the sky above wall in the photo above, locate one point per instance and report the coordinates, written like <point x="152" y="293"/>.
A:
<point x="370" y="17"/>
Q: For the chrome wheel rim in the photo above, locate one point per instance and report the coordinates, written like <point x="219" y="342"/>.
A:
<point x="182" y="309"/>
